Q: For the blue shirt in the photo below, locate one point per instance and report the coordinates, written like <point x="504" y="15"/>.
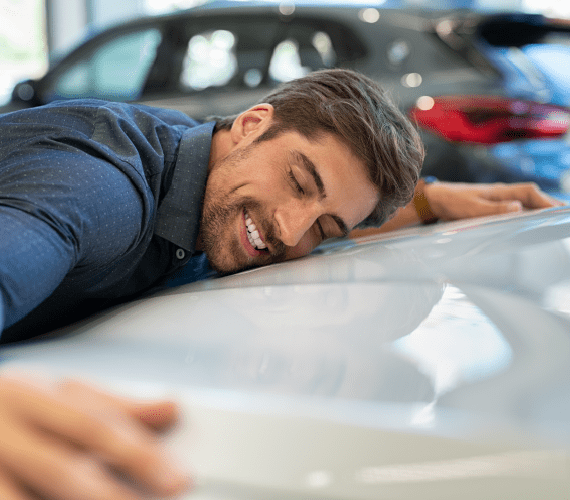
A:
<point x="98" y="202"/>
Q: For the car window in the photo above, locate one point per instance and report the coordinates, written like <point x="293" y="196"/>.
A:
<point x="286" y="62"/>
<point x="116" y="70"/>
<point x="210" y="60"/>
<point x="552" y="58"/>
<point x="290" y="60"/>
<point x="236" y="57"/>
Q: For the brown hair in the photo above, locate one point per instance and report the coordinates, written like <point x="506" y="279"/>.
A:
<point x="357" y="110"/>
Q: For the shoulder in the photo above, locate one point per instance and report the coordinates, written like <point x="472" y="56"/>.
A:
<point x="73" y="113"/>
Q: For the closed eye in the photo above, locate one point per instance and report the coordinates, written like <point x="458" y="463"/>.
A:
<point x="323" y="235"/>
<point x="335" y="227"/>
<point x="295" y="183"/>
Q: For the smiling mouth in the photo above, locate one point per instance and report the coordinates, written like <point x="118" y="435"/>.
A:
<point x="253" y="234"/>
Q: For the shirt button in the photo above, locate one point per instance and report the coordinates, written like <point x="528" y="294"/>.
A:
<point x="180" y="254"/>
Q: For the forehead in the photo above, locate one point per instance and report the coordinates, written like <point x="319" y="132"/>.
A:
<point x="349" y="193"/>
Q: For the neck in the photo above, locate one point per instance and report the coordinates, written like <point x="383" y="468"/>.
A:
<point x="220" y="148"/>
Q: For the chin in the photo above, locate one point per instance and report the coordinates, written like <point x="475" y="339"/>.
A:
<point x="224" y="259"/>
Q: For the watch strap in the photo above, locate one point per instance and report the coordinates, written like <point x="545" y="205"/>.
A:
<point x="421" y="203"/>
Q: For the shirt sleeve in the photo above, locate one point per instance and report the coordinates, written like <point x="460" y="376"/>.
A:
<point x="61" y="208"/>
<point x="34" y="258"/>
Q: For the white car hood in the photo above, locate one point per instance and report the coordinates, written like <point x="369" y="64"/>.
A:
<point x="432" y="363"/>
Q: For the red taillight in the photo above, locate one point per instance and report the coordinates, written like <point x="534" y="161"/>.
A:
<point x="489" y="120"/>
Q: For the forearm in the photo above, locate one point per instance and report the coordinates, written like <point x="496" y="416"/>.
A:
<point x="449" y="201"/>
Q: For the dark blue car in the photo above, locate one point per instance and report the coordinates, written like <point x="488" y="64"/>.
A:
<point x="521" y="132"/>
<point x="490" y="92"/>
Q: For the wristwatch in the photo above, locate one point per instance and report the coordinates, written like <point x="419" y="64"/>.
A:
<point x="420" y="201"/>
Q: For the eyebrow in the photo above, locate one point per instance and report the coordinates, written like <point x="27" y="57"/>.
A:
<point x="312" y="170"/>
<point x="310" y="167"/>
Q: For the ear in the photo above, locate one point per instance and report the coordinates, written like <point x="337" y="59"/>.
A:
<point x="251" y="123"/>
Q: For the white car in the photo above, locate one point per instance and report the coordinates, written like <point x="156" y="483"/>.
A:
<point x="429" y="363"/>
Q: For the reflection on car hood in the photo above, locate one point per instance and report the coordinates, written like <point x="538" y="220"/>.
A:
<point x="431" y="361"/>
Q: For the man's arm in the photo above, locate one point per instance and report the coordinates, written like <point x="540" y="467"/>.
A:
<point x="452" y="201"/>
<point x="66" y="213"/>
<point x="63" y="215"/>
<point x="34" y="259"/>
<point x="68" y="441"/>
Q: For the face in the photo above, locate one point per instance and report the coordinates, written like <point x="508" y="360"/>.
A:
<point x="278" y="199"/>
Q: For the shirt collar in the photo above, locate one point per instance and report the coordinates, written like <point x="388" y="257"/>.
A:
<point x="178" y="214"/>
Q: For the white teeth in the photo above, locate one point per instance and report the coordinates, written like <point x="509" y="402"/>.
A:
<point x="253" y="234"/>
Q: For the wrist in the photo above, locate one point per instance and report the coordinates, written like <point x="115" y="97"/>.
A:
<point x="420" y="201"/>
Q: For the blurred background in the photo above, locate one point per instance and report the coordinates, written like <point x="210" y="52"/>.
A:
<point x="487" y="81"/>
<point x="33" y="32"/>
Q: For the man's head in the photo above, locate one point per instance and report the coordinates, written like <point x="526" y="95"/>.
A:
<point x="321" y="155"/>
<point x="359" y="112"/>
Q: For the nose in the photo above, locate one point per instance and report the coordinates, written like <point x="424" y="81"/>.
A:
<point x="294" y="220"/>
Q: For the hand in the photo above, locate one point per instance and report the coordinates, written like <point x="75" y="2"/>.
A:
<point x="451" y="201"/>
<point x="69" y="441"/>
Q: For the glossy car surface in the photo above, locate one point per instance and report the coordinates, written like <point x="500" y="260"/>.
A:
<point x="428" y="363"/>
<point x="220" y="58"/>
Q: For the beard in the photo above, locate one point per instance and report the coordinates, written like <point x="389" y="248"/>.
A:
<point x="220" y="210"/>
<point x="215" y="218"/>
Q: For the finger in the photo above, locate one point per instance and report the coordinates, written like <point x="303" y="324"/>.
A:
<point x="488" y="207"/>
<point x="159" y="416"/>
<point x="101" y="428"/>
<point x="10" y="489"/>
<point x="542" y="200"/>
<point x="52" y="469"/>
<point x="533" y="197"/>
<point x="139" y="454"/>
<point x="528" y="193"/>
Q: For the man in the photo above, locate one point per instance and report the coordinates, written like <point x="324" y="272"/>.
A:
<point x="99" y="202"/>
